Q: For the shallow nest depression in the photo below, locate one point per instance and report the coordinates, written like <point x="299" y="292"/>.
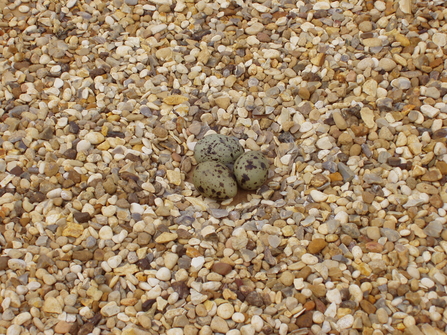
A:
<point x="101" y="104"/>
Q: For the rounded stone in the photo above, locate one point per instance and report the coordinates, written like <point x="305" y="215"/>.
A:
<point x="105" y="233"/>
<point x="225" y="311"/>
<point x="163" y="274"/>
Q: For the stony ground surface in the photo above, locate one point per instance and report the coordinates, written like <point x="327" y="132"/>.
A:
<point x="101" y="104"/>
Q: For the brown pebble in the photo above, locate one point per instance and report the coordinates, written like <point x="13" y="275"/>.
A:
<point x="160" y="132"/>
<point x="374" y="247"/>
<point x="367" y="307"/>
<point x="305" y="320"/>
<point x="432" y="175"/>
<point x="255" y="299"/>
<point x="336" y="176"/>
<point x="304" y="272"/>
<point x="442" y="166"/>
<point x="63" y="327"/>
<point x="98" y="255"/>
<point x="51" y="169"/>
<point x="316" y="245"/>
<point x="82" y="217"/>
<point x="74" y="176"/>
<point x="318" y="290"/>
<point x="181" y="288"/>
<point x="368" y="197"/>
<point x="436" y="201"/>
<point x="4" y="262"/>
<point x="310" y="305"/>
<point x="82" y="255"/>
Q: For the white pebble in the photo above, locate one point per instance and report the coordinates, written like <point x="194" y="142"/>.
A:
<point x="174" y="331"/>
<point x="14" y="330"/>
<point x="357" y="252"/>
<point x="83" y="145"/>
<point x="309" y="259"/>
<point x="345" y="322"/>
<point x="163" y="274"/>
<point x="238" y="317"/>
<point x="334" y="296"/>
<point x="427" y="282"/>
<point x="318" y="196"/>
<point x="257" y="322"/>
<point x="318" y="317"/>
<point x="114" y="261"/>
<point x="94" y="137"/>
<point x="105" y="233"/>
<point x="225" y="311"/>
<point x="197" y="263"/>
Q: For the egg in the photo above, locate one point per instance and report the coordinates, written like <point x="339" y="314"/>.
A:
<point x="251" y="170"/>
<point x="214" y="180"/>
<point x="219" y="148"/>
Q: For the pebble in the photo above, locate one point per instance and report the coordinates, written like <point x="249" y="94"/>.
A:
<point x="225" y="311"/>
<point x="52" y="305"/>
<point x="163" y="274"/>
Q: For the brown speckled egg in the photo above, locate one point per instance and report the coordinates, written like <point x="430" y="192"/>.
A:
<point x="219" y="148"/>
<point x="251" y="170"/>
<point x="214" y="180"/>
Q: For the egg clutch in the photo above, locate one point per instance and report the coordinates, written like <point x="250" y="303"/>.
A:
<point x="223" y="165"/>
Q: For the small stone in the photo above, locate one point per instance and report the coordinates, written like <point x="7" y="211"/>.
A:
<point x="163" y="274"/>
<point x="345" y="322"/>
<point x="429" y="111"/>
<point x="387" y="64"/>
<point x="110" y="309"/>
<point x="367" y="117"/>
<point x="223" y="102"/>
<point x="305" y="320"/>
<point x="94" y="138"/>
<point x="350" y="229"/>
<point x="52" y="305"/>
<point x="225" y="311"/>
<point x="219" y="325"/>
<point x="51" y="169"/>
<point x="16" y="264"/>
<point x="175" y="99"/>
<point x="114" y="261"/>
<point x="4" y="262"/>
<point x="255" y="28"/>
<point x="340" y="122"/>
<point x="222" y="268"/>
<point x="174" y="331"/>
<point x="309" y="259"/>
<point x="315" y="246"/>
<point x="105" y="233"/>
<point x="82" y="217"/>
<point x="346" y="172"/>
<point x="434" y="229"/>
<point x="439" y="39"/>
<point x="333" y="296"/>
<point x="13" y="330"/>
<point x="324" y="143"/>
<point x="63" y="327"/>
<point x="432" y="175"/>
<point x="255" y="299"/>
<point x="166" y="237"/>
<point x="83" y="255"/>
<point x="318" y="196"/>
<point x="287" y="278"/>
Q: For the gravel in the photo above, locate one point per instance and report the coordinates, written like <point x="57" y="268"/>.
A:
<point x="103" y="232"/>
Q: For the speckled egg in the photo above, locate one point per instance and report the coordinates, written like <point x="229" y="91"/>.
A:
<point x="214" y="180"/>
<point x="251" y="170"/>
<point x="219" y="148"/>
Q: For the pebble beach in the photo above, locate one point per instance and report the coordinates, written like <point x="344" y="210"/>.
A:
<point x="101" y="228"/>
